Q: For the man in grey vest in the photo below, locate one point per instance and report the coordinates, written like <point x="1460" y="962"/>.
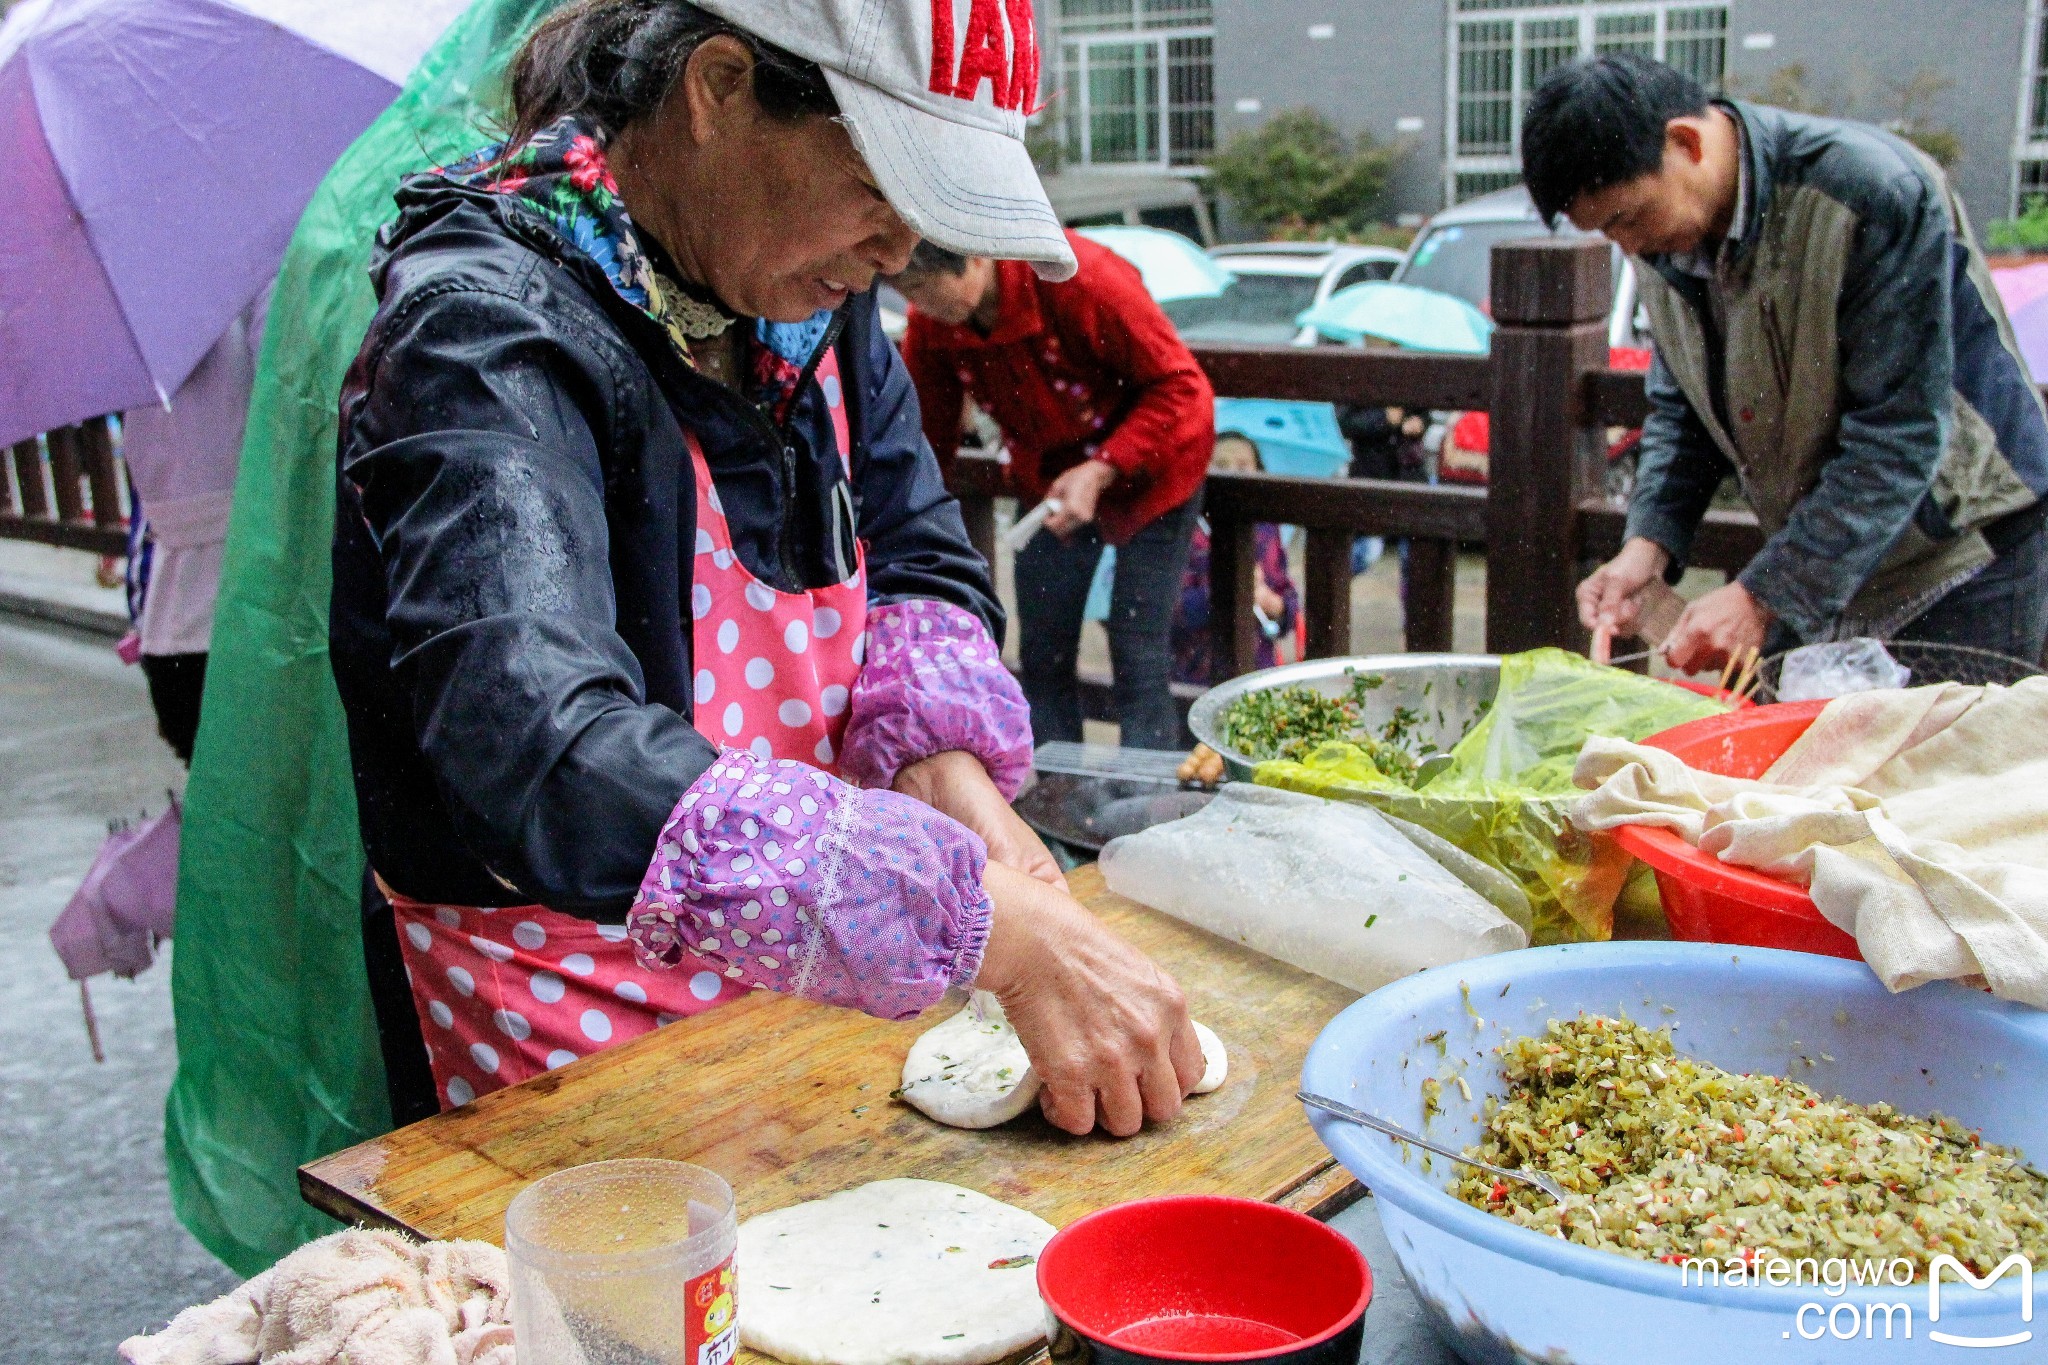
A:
<point x="1827" y="332"/>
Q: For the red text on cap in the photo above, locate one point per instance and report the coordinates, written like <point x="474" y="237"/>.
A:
<point x="1008" y="61"/>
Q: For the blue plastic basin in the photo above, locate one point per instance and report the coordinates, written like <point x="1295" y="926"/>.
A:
<point x="1501" y="1293"/>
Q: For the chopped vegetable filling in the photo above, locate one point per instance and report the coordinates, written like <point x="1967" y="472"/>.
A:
<point x="1667" y="1158"/>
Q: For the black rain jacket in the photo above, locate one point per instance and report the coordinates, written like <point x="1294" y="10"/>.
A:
<point x="515" y="526"/>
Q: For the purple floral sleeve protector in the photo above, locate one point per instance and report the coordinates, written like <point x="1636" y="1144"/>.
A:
<point x="793" y="881"/>
<point x="934" y="682"/>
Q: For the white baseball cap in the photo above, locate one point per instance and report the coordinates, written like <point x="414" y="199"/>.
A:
<point x="934" y="94"/>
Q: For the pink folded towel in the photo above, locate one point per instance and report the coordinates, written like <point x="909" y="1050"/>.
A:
<point x="359" y="1297"/>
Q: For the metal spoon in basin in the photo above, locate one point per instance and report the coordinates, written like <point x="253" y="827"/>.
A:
<point x="1395" y="1130"/>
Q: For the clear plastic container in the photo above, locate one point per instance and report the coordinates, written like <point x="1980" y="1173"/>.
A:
<point x="624" y="1263"/>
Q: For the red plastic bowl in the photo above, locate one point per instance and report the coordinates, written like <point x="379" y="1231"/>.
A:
<point x="1203" y="1277"/>
<point x="1705" y="899"/>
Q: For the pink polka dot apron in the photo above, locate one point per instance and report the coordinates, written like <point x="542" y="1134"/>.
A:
<point x="505" y="994"/>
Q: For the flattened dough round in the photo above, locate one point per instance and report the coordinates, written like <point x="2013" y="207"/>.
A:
<point x="899" y="1272"/>
<point x="971" y="1071"/>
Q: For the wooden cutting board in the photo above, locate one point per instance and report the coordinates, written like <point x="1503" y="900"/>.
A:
<point x="790" y="1101"/>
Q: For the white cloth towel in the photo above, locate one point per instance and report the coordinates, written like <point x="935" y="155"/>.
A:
<point x="359" y="1297"/>
<point x="1917" y="820"/>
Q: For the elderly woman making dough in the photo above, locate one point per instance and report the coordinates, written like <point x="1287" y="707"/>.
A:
<point x="669" y="670"/>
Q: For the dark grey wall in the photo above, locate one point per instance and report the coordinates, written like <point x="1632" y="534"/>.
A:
<point x="1384" y="62"/>
<point x="1853" y="48"/>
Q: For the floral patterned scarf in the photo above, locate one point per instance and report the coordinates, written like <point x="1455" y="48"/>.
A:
<point x="561" y="173"/>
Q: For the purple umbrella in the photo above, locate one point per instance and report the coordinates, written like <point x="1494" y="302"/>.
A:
<point x="157" y="155"/>
<point x="2024" y="292"/>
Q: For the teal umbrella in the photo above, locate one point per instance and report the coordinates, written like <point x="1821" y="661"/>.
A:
<point x="1403" y="314"/>
<point x="1173" y="267"/>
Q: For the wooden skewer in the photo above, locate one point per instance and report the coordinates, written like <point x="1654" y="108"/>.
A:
<point x="1727" y="672"/>
<point x="1750" y="674"/>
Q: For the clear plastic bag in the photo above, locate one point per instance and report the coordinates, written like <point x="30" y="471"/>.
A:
<point x="1505" y="797"/>
<point x="1327" y="886"/>
<point x="1826" y="671"/>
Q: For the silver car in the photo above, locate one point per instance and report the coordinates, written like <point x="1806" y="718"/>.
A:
<point x="1277" y="282"/>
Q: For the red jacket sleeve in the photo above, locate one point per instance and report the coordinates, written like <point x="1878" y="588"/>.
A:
<point x="940" y="395"/>
<point x="1170" y="431"/>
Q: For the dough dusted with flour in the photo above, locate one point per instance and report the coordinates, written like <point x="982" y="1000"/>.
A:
<point x="971" y="1071"/>
<point x="899" y="1272"/>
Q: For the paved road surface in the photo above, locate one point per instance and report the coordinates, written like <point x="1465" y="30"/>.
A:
<point x="91" y="1250"/>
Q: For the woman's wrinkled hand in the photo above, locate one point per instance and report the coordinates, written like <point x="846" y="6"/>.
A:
<point x="956" y="784"/>
<point x="1107" y="1031"/>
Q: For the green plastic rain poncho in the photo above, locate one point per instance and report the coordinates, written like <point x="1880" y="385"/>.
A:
<point x="277" y="1055"/>
<point x="1507" y="794"/>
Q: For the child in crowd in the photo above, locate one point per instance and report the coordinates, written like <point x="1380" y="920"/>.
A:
<point x="1273" y="590"/>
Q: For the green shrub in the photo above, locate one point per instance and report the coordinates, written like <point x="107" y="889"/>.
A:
<point x="1296" y="174"/>
<point x="2028" y="232"/>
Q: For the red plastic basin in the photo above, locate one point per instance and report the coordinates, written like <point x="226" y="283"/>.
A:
<point x="1705" y="899"/>
<point x="1208" y="1278"/>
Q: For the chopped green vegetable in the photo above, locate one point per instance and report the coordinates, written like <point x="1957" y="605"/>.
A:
<point x="1012" y="1262"/>
<point x="1289" y="722"/>
<point x="1667" y="1157"/>
<point x="1371" y="919"/>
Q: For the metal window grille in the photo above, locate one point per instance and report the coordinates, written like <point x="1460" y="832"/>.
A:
<point x="1472" y="184"/>
<point x="1635" y="33"/>
<point x="1501" y="49"/>
<point x="1177" y="13"/>
<point x="2030" y="140"/>
<point x="2033" y="180"/>
<point x="1696" y="42"/>
<point x="1190" y="100"/>
<point x="2037" y="119"/>
<point x="1486" y="89"/>
<point x="1137" y="82"/>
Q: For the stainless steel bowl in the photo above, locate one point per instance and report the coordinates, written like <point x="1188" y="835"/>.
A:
<point x="1447" y="690"/>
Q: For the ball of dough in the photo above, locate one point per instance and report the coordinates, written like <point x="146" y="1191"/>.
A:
<point x="971" y="1071"/>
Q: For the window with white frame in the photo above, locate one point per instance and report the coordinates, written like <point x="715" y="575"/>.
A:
<point x="1500" y="49"/>
<point x="1137" y="82"/>
<point x="2030" y="149"/>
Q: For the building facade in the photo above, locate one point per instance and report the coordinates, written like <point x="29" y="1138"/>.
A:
<point x="1157" y="85"/>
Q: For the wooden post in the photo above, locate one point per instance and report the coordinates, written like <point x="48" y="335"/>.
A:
<point x="1233" y="558"/>
<point x="1550" y="302"/>
<point x="28" y="473"/>
<point x="102" y="475"/>
<point x="65" y="474"/>
<point x="1326" y="601"/>
<point x="1429" y="595"/>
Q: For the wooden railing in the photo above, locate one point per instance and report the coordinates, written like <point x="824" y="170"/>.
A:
<point x="1542" y="519"/>
<point x="65" y="489"/>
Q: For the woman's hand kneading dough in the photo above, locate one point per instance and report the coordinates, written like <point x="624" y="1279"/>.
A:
<point x="1107" y="1031"/>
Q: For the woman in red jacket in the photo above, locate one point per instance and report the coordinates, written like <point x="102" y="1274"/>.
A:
<point x="1103" y="410"/>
